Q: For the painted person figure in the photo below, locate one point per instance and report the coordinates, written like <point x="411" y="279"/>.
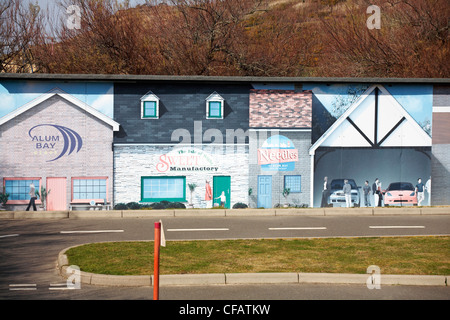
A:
<point x="428" y="188"/>
<point x="223" y="199"/>
<point x="33" y="198"/>
<point x="208" y="193"/>
<point x="420" y="188"/>
<point x="325" y="192"/>
<point x="377" y="194"/>
<point x="347" y="189"/>
<point x="367" y="192"/>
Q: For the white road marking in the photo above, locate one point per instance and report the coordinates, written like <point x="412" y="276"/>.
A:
<point x="201" y="229"/>
<point x="91" y="231"/>
<point x="299" y="228"/>
<point x="397" y="227"/>
<point x="9" y="235"/>
<point x="22" y="286"/>
<point x="60" y="286"/>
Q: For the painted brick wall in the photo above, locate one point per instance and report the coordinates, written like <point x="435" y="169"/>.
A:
<point x="181" y="106"/>
<point x="20" y="158"/>
<point x="135" y="161"/>
<point x="280" y="109"/>
<point x="302" y="142"/>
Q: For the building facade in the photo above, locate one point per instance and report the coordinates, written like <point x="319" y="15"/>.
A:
<point x="62" y="146"/>
<point x="440" y="159"/>
<point x="211" y="141"/>
<point x="280" y="136"/>
<point x="176" y="136"/>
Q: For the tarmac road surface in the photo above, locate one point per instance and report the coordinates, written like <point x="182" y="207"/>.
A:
<point x="29" y="248"/>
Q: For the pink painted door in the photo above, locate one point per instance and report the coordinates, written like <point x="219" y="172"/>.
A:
<point x="57" y="198"/>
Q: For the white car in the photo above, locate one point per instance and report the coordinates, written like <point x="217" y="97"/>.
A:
<point x="337" y="198"/>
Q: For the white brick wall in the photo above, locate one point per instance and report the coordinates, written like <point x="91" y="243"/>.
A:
<point x="133" y="162"/>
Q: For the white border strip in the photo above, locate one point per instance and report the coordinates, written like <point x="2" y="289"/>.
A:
<point x="91" y="231"/>
<point x="299" y="228"/>
<point x="200" y="229"/>
<point x="437" y="109"/>
<point x="397" y="227"/>
<point x="10" y="235"/>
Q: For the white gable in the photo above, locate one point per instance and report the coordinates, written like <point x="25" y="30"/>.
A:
<point x="150" y="96"/>
<point x="67" y="97"/>
<point x="376" y="119"/>
<point x="345" y="135"/>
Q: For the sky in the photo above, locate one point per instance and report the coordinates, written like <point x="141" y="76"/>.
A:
<point x="416" y="99"/>
<point x="14" y="94"/>
<point x="52" y="5"/>
<point x="45" y="3"/>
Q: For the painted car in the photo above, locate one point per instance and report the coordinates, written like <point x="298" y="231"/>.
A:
<point x="400" y="193"/>
<point x="337" y="198"/>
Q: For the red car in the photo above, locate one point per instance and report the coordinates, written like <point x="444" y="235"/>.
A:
<point x="400" y="193"/>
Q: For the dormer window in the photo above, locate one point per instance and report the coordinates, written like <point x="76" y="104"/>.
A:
<point x="214" y="106"/>
<point x="150" y="106"/>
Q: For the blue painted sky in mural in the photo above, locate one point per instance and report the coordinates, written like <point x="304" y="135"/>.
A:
<point x="416" y="99"/>
<point x="14" y="94"/>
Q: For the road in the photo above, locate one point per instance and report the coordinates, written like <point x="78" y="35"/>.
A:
<point x="28" y="251"/>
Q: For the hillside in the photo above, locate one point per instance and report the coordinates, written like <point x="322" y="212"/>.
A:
<point x="323" y="38"/>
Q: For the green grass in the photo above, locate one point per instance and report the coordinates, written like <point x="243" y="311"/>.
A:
<point x="400" y="255"/>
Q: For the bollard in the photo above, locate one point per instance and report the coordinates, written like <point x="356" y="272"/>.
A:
<point x="156" y="261"/>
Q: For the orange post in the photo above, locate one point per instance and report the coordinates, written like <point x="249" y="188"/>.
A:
<point x="156" y="261"/>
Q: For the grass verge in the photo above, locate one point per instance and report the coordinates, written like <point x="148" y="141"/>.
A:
<point x="398" y="255"/>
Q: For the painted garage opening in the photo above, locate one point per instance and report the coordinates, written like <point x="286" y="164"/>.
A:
<point x="375" y="143"/>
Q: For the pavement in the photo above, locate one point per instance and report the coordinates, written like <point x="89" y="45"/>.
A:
<point x="371" y="280"/>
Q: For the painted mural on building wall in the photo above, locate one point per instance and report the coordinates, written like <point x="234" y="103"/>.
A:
<point x="58" y="136"/>
<point x="277" y="153"/>
<point x="14" y="94"/>
<point x="347" y="144"/>
<point x="371" y="144"/>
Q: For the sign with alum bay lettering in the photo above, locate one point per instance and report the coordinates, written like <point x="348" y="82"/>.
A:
<point x="277" y="153"/>
<point x="186" y="159"/>
<point x="54" y="141"/>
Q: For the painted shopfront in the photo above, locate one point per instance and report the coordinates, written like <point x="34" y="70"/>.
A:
<point x="56" y="142"/>
<point x="196" y="141"/>
<point x="280" y="135"/>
